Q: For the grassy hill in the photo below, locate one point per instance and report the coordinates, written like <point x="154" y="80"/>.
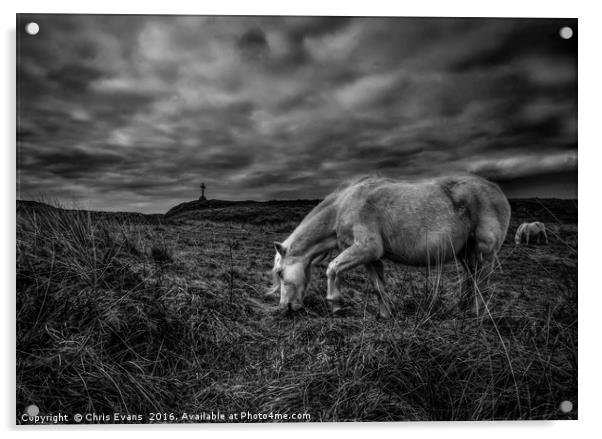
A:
<point x="134" y="313"/>
<point x="28" y="207"/>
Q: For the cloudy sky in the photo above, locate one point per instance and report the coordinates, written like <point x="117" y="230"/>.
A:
<point x="134" y="112"/>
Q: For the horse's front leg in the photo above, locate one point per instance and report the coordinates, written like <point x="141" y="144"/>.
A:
<point x="333" y="294"/>
<point x="364" y="250"/>
<point x="376" y="271"/>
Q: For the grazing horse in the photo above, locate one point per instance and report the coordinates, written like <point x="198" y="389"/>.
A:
<point x="534" y="232"/>
<point x="409" y="222"/>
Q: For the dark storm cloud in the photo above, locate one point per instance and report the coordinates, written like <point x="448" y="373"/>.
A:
<point x="73" y="163"/>
<point x="300" y="29"/>
<point x="133" y="112"/>
<point x="253" y="43"/>
<point x="542" y="38"/>
<point x="75" y="78"/>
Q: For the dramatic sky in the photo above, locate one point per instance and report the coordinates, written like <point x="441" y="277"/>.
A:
<point x="134" y="112"/>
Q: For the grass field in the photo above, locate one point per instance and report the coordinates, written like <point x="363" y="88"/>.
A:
<point x="149" y="314"/>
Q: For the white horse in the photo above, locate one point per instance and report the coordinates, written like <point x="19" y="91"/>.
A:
<point x="410" y="222"/>
<point x="531" y="232"/>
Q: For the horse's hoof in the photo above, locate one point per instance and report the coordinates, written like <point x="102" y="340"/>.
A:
<point x="270" y="297"/>
<point x="339" y="310"/>
<point x="336" y="307"/>
<point x="383" y="312"/>
<point x="468" y="311"/>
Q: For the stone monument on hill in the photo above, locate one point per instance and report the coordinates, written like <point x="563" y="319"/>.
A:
<point x="202" y="197"/>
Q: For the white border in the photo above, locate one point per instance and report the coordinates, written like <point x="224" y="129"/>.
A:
<point x="589" y="208"/>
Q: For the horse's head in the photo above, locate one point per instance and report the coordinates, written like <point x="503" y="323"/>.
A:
<point x="291" y="275"/>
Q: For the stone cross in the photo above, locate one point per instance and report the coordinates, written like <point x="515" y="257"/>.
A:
<point x="202" y="192"/>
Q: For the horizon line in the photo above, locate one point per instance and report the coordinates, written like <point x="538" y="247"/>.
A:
<point x="239" y="202"/>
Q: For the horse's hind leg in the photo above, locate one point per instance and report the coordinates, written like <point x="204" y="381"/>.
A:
<point x="467" y="296"/>
<point x="478" y="262"/>
<point x="365" y="249"/>
<point x="376" y="271"/>
<point x="475" y="283"/>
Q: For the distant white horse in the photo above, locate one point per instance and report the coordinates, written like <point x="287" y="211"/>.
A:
<point x="534" y="232"/>
<point x="410" y="222"/>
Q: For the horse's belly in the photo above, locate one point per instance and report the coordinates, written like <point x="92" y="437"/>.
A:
<point x="423" y="247"/>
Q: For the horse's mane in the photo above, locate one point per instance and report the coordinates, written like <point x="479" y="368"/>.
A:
<point x="376" y="176"/>
<point x="359" y="179"/>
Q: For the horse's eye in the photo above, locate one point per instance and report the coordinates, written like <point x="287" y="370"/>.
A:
<point x="279" y="273"/>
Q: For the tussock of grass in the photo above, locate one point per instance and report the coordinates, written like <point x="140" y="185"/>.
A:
<point x="96" y="330"/>
<point x="161" y="253"/>
<point x="115" y="316"/>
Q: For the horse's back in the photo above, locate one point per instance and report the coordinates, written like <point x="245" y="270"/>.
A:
<point x="471" y="196"/>
<point x="537" y="227"/>
<point x="435" y="216"/>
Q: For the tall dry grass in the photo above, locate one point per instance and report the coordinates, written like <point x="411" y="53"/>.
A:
<point x="100" y="328"/>
<point x="135" y="318"/>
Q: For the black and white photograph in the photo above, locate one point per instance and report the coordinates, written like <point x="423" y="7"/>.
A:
<point x="295" y="219"/>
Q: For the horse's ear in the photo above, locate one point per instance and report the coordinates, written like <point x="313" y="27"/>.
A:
<point x="280" y="248"/>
